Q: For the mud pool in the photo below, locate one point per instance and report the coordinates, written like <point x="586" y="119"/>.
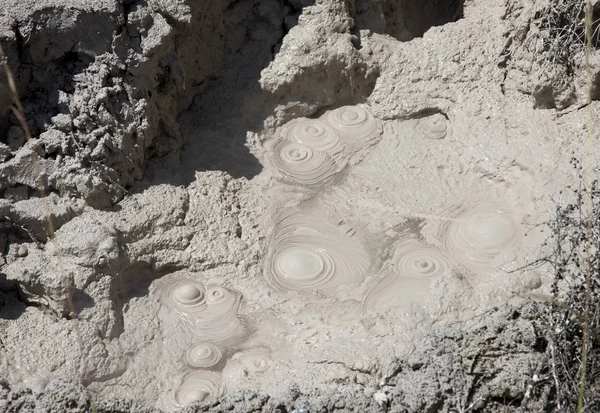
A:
<point x="330" y="202"/>
<point x="318" y="248"/>
<point x="334" y="282"/>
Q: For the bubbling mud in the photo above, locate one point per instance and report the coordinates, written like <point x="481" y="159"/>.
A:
<point x="478" y="234"/>
<point x="211" y="312"/>
<point x="186" y="297"/>
<point x="417" y="260"/>
<point x="311" y="151"/>
<point x="255" y="360"/>
<point x="313" y="133"/>
<point x="196" y="387"/>
<point x="302" y="164"/>
<point x="353" y="123"/>
<point x="433" y="127"/>
<point x="212" y="326"/>
<point x="247" y="363"/>
<point x="309" y="252"/>
<point x="203" y="355"/>
<point x="413" y="265"/>
<point x="220" y="323"/>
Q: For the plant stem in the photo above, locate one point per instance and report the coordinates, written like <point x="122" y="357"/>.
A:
<point x="586" y="321"/>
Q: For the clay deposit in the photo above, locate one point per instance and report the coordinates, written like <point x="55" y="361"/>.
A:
<point x="278" y="205"/>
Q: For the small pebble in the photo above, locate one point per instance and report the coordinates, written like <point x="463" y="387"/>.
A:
<point x="22" y="251"/>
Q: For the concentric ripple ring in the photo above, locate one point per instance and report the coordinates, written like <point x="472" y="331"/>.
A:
<point x="310" y="252"/>
<point x="203" y="355"/>
<point x="348" y="116"/>
<point x="353" y="123"/>
<point x="433" y="127"/>
<point x="417" y="260"/>
<point x="302" y="164"/>
<point x="479" y="234"/>
<point x="197" y="386"/>
<point x="313" y="133"/>
<point x="255" y="361"/>
<point x="186" y="297"/>
<point x="217" y="295"/>
<point x="300" y="264"/>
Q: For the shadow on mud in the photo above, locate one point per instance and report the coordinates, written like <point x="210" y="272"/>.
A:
<point x="11" y="306"/>
<point x="230" y="103"/>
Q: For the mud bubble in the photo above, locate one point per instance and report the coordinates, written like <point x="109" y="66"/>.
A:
<point x="203" y="355"/>
<point x="210" y="311"/>
<point x="186" y="297"/>
<point x="408" y="274"/>
<point x="308" y="251"/>
<point x="433" y="127"/>
<point x="475" y="235"/>
<point x="302" y="164"/>
<point x="196" y="387"/>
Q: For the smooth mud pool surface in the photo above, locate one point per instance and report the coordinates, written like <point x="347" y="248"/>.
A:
<point x="330" y="203"/>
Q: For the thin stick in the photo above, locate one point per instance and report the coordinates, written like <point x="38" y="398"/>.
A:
<point x="535" y="379"/>
<point x="555" y="375"/>
<point x="586" y="321"/>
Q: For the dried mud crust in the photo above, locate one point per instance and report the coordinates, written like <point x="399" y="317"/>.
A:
<point x="544" y="54"/>
<point x="103" y="82"/>
<point x="487" y="366"/>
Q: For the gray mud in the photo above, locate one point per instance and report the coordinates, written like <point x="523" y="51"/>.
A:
<point x="487" y="364"/>
<point x="286" y="206"/>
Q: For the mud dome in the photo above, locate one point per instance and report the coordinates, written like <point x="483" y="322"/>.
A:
<point x="329" y="203"/>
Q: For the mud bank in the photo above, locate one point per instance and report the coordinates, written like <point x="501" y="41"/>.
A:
<point x="440" y="375"/>
<point x="332" y="204"/>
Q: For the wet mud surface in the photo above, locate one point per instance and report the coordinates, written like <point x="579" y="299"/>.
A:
<point x="333" y="209"/>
